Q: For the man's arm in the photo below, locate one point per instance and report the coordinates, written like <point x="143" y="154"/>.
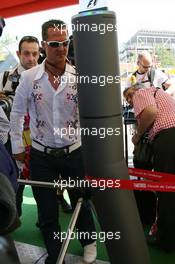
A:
<point x="170" y="88"/>
<point x="4" y="126"/>
<point x="19" y="109"/>
<point x="162" y="80"/>
<point x="147" y="118"/>
<point x="167" y="85"/>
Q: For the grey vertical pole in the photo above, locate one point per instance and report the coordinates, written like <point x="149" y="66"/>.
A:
<point x="96" y="54"/>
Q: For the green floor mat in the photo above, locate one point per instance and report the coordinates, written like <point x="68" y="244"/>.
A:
<point x="29" y="233"/>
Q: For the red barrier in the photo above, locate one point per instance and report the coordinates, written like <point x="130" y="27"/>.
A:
<point x="151" y="175"/>
<point x="156" y="181"/>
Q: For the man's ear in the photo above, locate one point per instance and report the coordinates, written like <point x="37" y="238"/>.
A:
<point x="18" y="53"/>
<point x="43" y="44"/>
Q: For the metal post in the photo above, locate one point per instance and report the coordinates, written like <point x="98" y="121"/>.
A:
<point x="96" y="58"/>
<point x="69" y="231"/>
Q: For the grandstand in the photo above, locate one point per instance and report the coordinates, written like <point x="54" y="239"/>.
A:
<point x="147" y="40"/>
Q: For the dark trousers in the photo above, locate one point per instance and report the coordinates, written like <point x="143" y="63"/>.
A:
<point x="164" y="161"/>
<point x="19" y="199"/>
<point x="46" y="168"/>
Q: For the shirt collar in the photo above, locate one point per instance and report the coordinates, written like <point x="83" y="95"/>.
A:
<point x="70" y="69"/>
<point x="41" y="70"/>
<point x="20" y="69"/>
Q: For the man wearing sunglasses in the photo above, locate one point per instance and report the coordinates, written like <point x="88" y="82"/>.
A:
<point x="148" y="75"/>
<point x="51" y="97"/>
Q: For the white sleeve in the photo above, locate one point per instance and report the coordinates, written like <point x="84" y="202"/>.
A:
<point x="1" y="79"/>
<point x="18" y="112"/>
<point x="4" y="126"/>
<point x="159" y="78"/>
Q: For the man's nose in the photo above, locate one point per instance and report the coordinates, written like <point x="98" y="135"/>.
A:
<point x="61" y="47"/>
<point x="31" y="57"/>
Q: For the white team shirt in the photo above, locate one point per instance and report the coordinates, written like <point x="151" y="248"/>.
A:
<point x="143" y="78"/>
<point x="159" y="78"/>
<point x="50" y="110"/>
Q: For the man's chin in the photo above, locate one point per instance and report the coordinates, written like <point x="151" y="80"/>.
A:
<point x="30" y="66"/>
<point x="60" y="59"/>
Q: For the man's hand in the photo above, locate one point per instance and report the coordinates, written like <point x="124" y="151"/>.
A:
<point x="135" y="139"/>
<point x="19" y="156"/>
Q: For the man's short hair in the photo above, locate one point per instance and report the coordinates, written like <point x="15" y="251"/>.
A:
<point x="136" y="87"/>
<point x="27" y="39"/>
<point x="144" y="54"/>
<point x="54" y="23"/>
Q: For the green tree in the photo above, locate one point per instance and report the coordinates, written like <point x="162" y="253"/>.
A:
<point x="165" y="56"/>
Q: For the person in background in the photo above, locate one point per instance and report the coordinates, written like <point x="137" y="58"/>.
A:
<point x="8" y="252"/>
<point x="155" y="112"/>
<point x="6" y="164"/>
<point x="70" y="55"/>
<point x="28" y="54"/>
<point x="147" y="75"/>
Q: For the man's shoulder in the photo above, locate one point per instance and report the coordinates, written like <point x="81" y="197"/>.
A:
<point x="145" y="92"/>
<point x="159" y="72"/>
<point x="11" y="71"/>
<point x="161" y="77"/>
<point x="136" y="74"/>
<point x="33" y="72"/>
<point x="5" y="84"/>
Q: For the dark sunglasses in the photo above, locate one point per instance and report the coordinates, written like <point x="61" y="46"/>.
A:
<point x="145" y="67"/>
<point x="56" y="44"/>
